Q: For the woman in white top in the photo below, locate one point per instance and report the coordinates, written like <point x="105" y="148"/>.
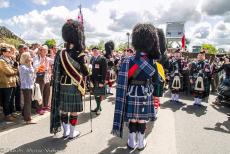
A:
<point x="26" y="73"/>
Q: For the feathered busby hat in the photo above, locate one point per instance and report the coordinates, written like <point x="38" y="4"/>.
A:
<point x="73" y="34"/>
<point x="145" y="39"/>
<point x="162" y="43"/>
<point x="109" y="47"/>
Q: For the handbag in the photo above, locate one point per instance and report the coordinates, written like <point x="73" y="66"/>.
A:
<point x="36" y="94"/>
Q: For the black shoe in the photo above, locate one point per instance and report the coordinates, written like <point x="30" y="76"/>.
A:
<point x="95" y="110"/>
<point x="129" y="147"/>
<point x="110" y="93"/>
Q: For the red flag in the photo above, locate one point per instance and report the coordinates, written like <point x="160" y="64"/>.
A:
<point x="183" y="41"/>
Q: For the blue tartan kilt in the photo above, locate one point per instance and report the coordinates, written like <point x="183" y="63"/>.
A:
<point x="139" y="107"/>
<point x="70" y="99"/>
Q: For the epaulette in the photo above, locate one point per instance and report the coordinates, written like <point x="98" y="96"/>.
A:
<point x="81" y="54"/>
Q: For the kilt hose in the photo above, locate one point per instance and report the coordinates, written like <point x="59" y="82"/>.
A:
<point x="70" y="99"/>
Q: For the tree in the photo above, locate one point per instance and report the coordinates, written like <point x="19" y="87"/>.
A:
<point x="122" y="46"/>
<point x="50" y="43"/>
<point x="101" y="45"/>
<point x="91" y="46"/>
<point x="211" y="49"/>
<point x="11" y="41"/>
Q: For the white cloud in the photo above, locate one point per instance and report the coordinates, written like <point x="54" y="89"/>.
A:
<point x="221" y="33"/>
<point x="41" y="2"/>
<point x="41" y="25"/>
<point x="216" y="7"/>
<point x="202" y="30"/>
<point x="111" y="19"/>
<point x="4" y="3"/>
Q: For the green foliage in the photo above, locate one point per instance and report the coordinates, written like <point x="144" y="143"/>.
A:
<point x="50" y="43"/>
<point x="101" y="45"/>
<point x="91" y="46"/>
<point x="211" y="48"/>
<point x="122" y="46"/>
<point x="11" y="41"/>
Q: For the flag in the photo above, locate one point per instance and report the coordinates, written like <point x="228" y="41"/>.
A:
<point x="80" y="16"/>
<point x="183" y="41"/>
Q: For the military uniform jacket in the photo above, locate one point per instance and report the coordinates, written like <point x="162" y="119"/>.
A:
<point x="99" y="69"/>
<point x="202" y="67"/>
<point x="175" y="65"/>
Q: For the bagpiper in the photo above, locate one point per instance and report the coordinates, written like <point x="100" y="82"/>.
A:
<point x="200" y="78"/>
<point x="175" y="75"/>
<point x="69" y="84"/>
<point x="135" y="86"/>
<point x="111" y="73"/>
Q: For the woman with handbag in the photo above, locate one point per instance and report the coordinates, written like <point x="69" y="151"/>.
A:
<point x="26" y="74"/>
<point x="42" y="67"/>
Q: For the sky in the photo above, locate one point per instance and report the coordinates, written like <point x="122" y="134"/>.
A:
<point x="206" y="21"/>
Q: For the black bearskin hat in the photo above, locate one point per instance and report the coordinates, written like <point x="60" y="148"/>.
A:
<point x="109" y="47"/>
<point x="145" y="39"/>
<point x="162" y="43"/>
<point x="73" y="33"/>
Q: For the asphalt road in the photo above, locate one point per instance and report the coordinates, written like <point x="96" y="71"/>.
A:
<point x="180" y="128"/>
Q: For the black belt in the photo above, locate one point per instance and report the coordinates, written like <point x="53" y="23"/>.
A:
<point x="137" y="82"/>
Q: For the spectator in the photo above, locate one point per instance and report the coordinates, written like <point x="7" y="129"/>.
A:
<point x="42" y="67"/>
<point x="129" y="52"/>
<point x="17" y="91"/>
<point x="7" y="83"/>
<point x="26" y="72"/>
<point x="21" y="48"/>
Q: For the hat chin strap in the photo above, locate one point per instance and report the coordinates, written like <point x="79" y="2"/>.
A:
<point x="71" y="46"/>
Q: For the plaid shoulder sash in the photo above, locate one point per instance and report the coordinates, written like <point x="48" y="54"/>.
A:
<point x="72" y="72"/>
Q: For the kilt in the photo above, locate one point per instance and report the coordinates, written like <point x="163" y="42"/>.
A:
<point x="139" y="106"/>
<point x="70" y="99"/>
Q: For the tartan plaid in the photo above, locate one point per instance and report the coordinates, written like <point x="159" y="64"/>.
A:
<point x="70" y="99"/>
<point x="55" y="119"/>
<point x="120" y="102"/>
<point x="136" y="109"/>
<point x="126" y="107"/>
<point x="59" y="98"/>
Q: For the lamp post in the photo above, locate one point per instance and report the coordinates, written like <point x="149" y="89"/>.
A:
<point x="128" y="37"/>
